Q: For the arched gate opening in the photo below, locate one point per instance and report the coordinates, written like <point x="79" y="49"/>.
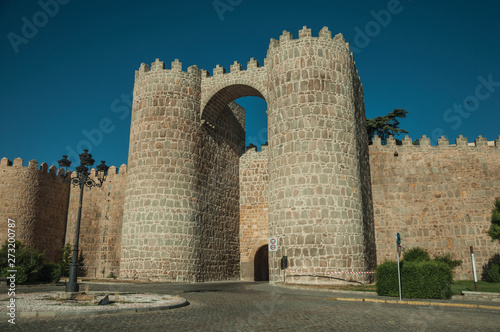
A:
<point x="261" y="264"/>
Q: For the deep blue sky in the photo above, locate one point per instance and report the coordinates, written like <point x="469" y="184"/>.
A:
<point x="71" y="73"/>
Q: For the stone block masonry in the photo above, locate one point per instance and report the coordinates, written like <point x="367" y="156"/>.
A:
<point x="192" y="205"/>
<point x="316" y="185"/>
<point x="37" y="199"/>
<point x="101" y="225"/>
<point x="254" y="206"/>
<point x="437" y="197"/>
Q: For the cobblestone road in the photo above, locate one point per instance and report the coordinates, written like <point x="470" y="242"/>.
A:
<point x="238" y="306"/>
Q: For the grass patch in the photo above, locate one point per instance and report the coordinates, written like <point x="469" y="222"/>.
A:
<point x="468" y="285"/>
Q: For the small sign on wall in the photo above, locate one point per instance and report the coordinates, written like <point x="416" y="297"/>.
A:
<point x="273" y="244"/>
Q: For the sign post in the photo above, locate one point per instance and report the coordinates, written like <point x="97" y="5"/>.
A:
<point x="474" y="268"/>
<point x="398" y="241"/>
<point x="273" y="247"/>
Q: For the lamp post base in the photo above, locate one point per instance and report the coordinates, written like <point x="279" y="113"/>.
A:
<point x="72" y="287"/>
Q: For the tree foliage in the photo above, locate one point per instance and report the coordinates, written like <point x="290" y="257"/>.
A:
<point x="383" y="126"/>
<point x="494" y="231"/>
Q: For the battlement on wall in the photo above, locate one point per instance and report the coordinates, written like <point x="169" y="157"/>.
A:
<point x="425" y="142"/>
<point x="252" y="149"/>
<point x="44" y="167"/>
<point x="236" y="67"/>
<point x="305" y="33"/>
<point x="176" y="66"/>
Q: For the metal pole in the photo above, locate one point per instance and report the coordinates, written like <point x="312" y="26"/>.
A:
<point x="72" y="285"/>
<point x="474" y="268"/>
<point x="274" y="272"/>
<point x="399" y="272"/>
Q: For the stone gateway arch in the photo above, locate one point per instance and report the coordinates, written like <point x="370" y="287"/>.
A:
<point x="181" y="218"/>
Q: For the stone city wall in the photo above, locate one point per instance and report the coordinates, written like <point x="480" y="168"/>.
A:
<point x="437" y="197"/>
<point x="101" y="223"/>
<point x="254" y="219"/>
<point x="37" y="199"/>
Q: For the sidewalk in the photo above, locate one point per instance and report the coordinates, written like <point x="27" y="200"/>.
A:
<point x="468" y="300"/>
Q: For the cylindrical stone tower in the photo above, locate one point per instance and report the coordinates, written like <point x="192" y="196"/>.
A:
<point x="159" y="235"/>
<point x="316" y="181"/>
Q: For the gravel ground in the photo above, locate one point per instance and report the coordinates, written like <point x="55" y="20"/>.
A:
<point x="48" y="301"/>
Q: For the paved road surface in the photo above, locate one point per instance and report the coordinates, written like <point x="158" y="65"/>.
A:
<point x="239" y="306"/>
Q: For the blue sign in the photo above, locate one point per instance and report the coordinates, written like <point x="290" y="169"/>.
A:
<point x="398" y="239"/>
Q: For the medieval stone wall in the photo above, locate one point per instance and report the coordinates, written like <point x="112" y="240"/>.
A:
<point x="37" y="199"/>
<point x="316" y="180"/>
<point x="254" y="192"/>
<point x="101" y="223"/>
<point x="437" y="197"/>
<point x="218" y="182"/>
<point x="181" y="208"/>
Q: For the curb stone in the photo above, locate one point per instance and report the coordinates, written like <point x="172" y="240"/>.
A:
<point x="422" y="303"/>
<point x="51" y="314"/>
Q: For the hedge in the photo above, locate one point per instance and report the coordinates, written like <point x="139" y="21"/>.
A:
<point x="419" y="279"/>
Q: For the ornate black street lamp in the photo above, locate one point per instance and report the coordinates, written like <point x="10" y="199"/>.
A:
<point x="82" y="179"/>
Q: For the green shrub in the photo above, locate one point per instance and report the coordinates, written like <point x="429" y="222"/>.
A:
<point x="494" y="231"/>
<point x="416" y="254"/>
<point x="65" y="260"/>
<point x="447" y="260"/>
<point x="51" y="272"/>
<point x="491" y="271"/>
<point x="426" y="280"/>
<point x="386" y="279"/>
<point x="419" y="279"/>
<point x="28" y="263"/>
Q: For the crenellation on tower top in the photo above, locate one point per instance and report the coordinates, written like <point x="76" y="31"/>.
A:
<point x="339" y="37"/>
<point x="204" y="73"/>
<point x="18" y="162"/>
<point x="273" y="43"/>
<point x="425" y="141"/>
<point x="443" y="141"/>
<point x="33" y="164"/>
<point x="305" y="32"/>
<point x="157" y="65"/>
<point x="325" y="33"/>
<point x="53" y="170"/>
<point x="5" y="162"/>
<point x="286" y="36"/>
<point x="112" y="170"/>
<point x="194" y="70"/>
<point x="235" y="67"/>
<point x="391" y="141"/>
<point x="218" y="70"/>
<point x="461" y="141"/>
<point x="144" y="68"/>
<point x="252" y="64"/>
<point x="176" y="65"/>
<point x="481" y="141"/>
<point x="497" y="141"/>
<point x="122" y="169"/>
<point x="377" y="141"/>
<point x="44" y="167"/>
<point x="407" y="141"/>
